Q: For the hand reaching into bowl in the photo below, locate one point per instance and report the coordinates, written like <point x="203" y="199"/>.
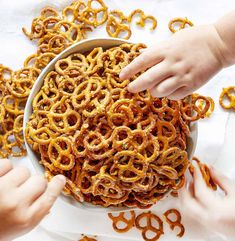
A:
<point x="24" y="199"/>
<point x="184" y="63"/>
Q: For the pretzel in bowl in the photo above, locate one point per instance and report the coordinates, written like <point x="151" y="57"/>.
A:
<point x="115" y="147"/>
<point x="181" y="22"/>
<point x="229" y="94"/>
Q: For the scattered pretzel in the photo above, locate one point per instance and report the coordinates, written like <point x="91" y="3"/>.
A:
<point x="143" y="19"/>
<point x="176" y="223"/>
<point x="150" y="217"/>
<point x="182" y="22"/>
<point x="129" y="223"/>
<point x="228" y="93"/>
<point x="117" y="25"/>
<point x="201" y="105"/>
<point x="197" y="107"/>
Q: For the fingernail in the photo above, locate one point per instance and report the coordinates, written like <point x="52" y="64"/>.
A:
<point x="129" y="87"/>
<point x="122" y="73"/>
<point x="62" y="178"/>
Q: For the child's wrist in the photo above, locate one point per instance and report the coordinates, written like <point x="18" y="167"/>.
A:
<point x="227" y="56"/>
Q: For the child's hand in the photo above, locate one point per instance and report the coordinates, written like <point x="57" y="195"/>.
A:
<point x="24" y="200"/>
<point x="179" y="66"/>
<point x="214" y="211"/>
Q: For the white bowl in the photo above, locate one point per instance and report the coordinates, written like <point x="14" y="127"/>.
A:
<point x="82" y="47"/>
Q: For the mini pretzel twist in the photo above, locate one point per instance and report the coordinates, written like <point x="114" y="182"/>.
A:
<point x="116" y="25"/>
<point x="90" y="15"/>
<point x="176" y="223"/>
<point x="182" y="22"/>
<point x="229" y="94"/>
<point x="205" y="171"/>
<point x="149" y="226"/>
<point x="199" y="107"/>
<point x="60" y="153"/>
<point x="129" y="222"/>
<point x="143" y="19"/>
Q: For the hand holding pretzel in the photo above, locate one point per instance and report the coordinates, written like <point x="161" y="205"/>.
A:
<point x="201" y="203"/>
<point x="228" y="93"/>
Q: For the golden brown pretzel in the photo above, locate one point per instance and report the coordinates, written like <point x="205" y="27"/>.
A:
<point x="201" y="104"/>
<point x="129" y="222"/>
<point x="205" y="171"/>
<point x="91" y="15"/>
<point x="176" y="222"/>
<point x="183" y="22"/>
<point x="59" y="152"/>
<point x="143" y="18"/>
<point x="150" y="217"/>
<point x="228" y="93"/>
<point x="117" y="25"/>
<point x="195" y="108"/>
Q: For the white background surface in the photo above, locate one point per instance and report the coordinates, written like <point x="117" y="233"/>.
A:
<point x="215" y="144"/>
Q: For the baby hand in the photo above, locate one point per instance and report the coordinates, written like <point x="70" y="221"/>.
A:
<point x="24" y="200"/>
<point x="179" y="66"/>
<point x="214" y="211"/>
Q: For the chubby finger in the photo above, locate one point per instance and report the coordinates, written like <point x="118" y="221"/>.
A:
<point x="44" y="203"/>
<point x="201" y="192"/>
<point x="180" y="93"/>
<point x="32" y="189"/>
<point x="222" y="181"/>
<point x="191" y="188"/>
<point x="166" y="87"/>
<point x="150" y="78"/>
<point x="145" y="60"/>
<point x="17" y="176"/>
<point x="5" y="166"/>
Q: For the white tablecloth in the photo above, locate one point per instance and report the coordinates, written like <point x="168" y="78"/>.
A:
<point x="215" y="142"/>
